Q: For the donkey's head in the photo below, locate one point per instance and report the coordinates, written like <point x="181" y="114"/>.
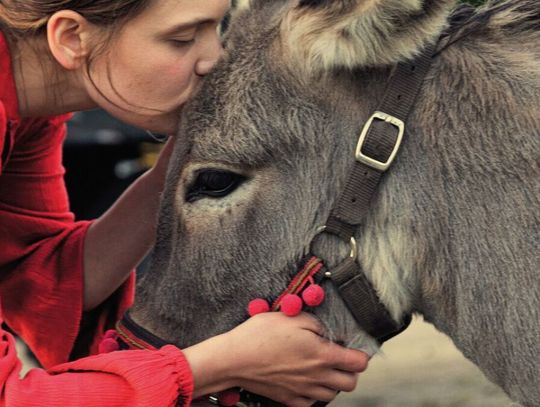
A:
<point x="263" y="154"/>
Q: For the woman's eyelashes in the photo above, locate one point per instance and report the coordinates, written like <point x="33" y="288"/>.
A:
<point x="181" y="42"/>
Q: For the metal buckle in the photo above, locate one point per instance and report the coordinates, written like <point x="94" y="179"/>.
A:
<point x="369" y="161"/>
<point x="353" y="244"/>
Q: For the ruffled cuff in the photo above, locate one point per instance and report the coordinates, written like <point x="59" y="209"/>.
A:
<point x="161" y="377"/>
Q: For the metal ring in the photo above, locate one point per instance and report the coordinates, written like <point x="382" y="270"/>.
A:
<point x="354" y="245"/>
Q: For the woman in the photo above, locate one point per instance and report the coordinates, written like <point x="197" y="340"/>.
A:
<point x="62" y="281"/>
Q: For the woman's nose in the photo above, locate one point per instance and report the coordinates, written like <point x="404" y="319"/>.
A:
<point x="210" y="57"/>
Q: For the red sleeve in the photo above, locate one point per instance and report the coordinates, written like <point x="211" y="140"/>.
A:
<point x="137" y="378"/>
<point x="41" y="248"/>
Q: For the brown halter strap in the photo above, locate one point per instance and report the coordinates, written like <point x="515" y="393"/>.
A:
<point x="377" y="148"/>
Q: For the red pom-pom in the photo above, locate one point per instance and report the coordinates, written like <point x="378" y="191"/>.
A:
<point x="291" y="305"/>
<point x="258" y="306"/>
<point x="229" y="398"/>
<point x="111" y="333"/>
<point x="313" y="295"/>
<point x="108" y="345"/>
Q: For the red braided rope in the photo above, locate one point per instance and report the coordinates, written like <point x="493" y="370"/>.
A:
<point x="312" y="267"/>
<point x="131" y="339"/>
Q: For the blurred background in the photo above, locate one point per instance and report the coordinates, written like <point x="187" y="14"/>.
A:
<point x="102" y="157"/>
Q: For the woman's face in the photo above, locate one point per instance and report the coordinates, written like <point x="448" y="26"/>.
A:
<point x="156" y="62"/>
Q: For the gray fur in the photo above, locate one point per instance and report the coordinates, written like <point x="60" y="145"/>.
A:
<point x="453" y="233"/>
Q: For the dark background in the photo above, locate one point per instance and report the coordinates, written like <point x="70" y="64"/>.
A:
<point x="102" y="157"/>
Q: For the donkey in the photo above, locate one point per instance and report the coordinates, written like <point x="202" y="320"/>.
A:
<point x="267" y="145"/>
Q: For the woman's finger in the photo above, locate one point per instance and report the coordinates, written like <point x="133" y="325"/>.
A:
<point x="342" y="381"/>
<point x="310" y="323"/>
<point x="300" y="402"/>
<point x="322" y="393"/>
<point x="349" y="360"/>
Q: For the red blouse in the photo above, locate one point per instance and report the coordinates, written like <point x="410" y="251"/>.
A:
<point x="41" y="283"/>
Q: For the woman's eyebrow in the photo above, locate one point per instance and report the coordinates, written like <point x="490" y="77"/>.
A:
<point x="188" y="24"/>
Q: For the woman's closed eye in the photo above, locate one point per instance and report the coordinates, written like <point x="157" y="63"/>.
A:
<point x="182" y="42"/>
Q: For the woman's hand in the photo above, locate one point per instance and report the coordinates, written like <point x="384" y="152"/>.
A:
<point x="282" y="358"/>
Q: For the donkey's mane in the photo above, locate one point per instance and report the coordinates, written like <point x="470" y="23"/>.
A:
<point x="504" y="17"/>
<point x="515" y="17"/>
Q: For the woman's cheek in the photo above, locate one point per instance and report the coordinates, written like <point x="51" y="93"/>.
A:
<point x="179" y="80"/>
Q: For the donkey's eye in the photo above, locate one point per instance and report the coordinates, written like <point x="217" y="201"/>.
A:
<point x="213" y="184"/>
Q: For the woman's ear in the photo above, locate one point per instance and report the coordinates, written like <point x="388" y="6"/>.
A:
<point x="67" y="34"/>
<point x="322" y="35"/>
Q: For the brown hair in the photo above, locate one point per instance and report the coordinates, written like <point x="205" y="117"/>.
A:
<point x="21" y="18"/>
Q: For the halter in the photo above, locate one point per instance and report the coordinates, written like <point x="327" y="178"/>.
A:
<point x="377" y="147"/>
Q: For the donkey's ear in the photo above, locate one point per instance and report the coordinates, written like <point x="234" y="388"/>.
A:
<point x="242" y="4"/>
<point x="328" y="34"/>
